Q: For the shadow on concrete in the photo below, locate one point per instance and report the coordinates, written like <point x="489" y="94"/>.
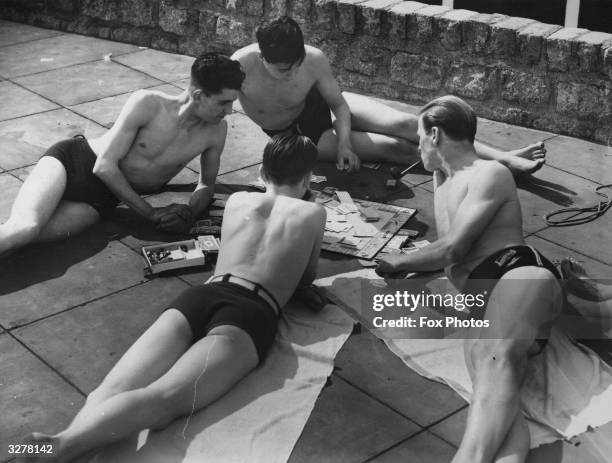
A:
<point x="551" y="191"/>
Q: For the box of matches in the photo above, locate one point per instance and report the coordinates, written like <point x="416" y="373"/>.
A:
<point x="179" y="254"/>
<point x="211" y="226"/>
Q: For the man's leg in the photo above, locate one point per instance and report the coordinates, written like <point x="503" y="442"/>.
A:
<point x="38" y="212"/>
<point x="368" y="115"/>
<point x="200" y="376"/>
<point x="524" y="301"/>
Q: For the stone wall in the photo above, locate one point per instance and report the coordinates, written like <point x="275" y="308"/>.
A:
<point x="510" y="69"/>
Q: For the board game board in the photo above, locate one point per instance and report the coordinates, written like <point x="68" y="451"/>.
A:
<point x="355" y="230"/>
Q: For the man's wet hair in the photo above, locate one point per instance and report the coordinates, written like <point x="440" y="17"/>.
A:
<point x="281" y="41"/>
<point x="453" y="115"/>
<point x="287" y="159"/>
<point x="214" y="72"/>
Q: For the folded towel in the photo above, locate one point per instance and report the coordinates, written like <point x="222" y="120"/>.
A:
<point x="262" y="417"/>
<point x="568" y="388"/>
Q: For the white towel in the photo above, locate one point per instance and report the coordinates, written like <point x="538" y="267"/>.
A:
<point x="260" y="419"/>
<point x="568" y="388"/>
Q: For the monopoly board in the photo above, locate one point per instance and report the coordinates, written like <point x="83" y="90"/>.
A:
<point x="363" y="229"/>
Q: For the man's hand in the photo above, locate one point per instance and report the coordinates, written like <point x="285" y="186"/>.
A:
<point x="347" y="159"/>
<point x="174" y="218"/>
<point x="390" y="264"/>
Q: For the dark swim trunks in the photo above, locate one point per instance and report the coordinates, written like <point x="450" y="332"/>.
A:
<point x="484" y="277"/>
<point x="224" y="303"/>
<point x="314" y="119"/>
<point x="82" y="185"/>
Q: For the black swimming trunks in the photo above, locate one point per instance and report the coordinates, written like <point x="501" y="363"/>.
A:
<point x="314" y="119"/>
<point x="82" y="185"/>
<point x="223" y="303"/>
<point x="484" y="277"/>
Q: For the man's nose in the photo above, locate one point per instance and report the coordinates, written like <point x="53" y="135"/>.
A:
<point x="228" y="109"/>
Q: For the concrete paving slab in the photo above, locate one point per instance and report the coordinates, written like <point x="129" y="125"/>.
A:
<point x="509" y="137"/>
<point x="56" y="52"/>
<point x="12" y="33"/>
<point x="244" y="144"/>
<point x="548" y="190"/>
<point x="348" y="426"/>
<point x="24" y="140"/>
<point x="239" y="177"/>
<point x="451" y="429"/>
<point x="18" y="101"/>
<point x="106" y="110"/>
<point x="182" y="83"/>
<point x="161" y="65"/>
<point x="383" y="376"/>
<point x="422" y="447"/>
<point x="580" y="157"/>
<point x="106" y="329"/>
<point x="46" y="279"/>
<point x="33" y="397"/>
<point x="423" y="221"/>
<point x="9" y="186"/>
<point x="86" y="82"/>
<point x="591" y="447"/>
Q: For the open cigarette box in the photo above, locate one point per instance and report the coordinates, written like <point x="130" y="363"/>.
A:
<point x="179" y="254"/>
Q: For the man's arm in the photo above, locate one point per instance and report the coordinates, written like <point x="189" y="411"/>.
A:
<point x="330" y="91"/>
<point x="135" y="114"/>
<point x="318" y="227"/>
<point x="210" y="161"/>
<point x="484" y="198"/>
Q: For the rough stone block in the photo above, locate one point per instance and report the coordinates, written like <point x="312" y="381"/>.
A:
<point x="249" y="7"/>
<point x="531" y="40"/>
<point x="589" y="50"/>
<point x="581" y="99"/>
<point x="477" y="30"/>
<point x="207" y="24"/>
<point x="176" y="20"/>
<point x="504" y="35"/>
<point x="607" y="60"/>
<point x="449" y="25"/>
<point x="398" y="18"/>
<point x="374" y="15"/>
<point x="423" y="72"/>
<point x="561" y="48"/>
<point x="365" y="57"/>
<point x="324" y="15"/>
<point x="470" y="81"/>
<point x="300" y="10"/>
<point x="168" y="42"/>
<point x="233" y="32"/>
<point x="524" y="88"/>
<point x="277" y="8"/>
<point x="101" y="9"/>
<point x="348" y="15"/>
<point x="424" y="22"/>
<point x="63" y="6"/>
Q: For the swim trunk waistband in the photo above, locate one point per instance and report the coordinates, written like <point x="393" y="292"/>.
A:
<point x="251" y="286"/>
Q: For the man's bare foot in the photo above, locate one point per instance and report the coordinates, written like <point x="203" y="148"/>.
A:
<point x="47" y="448"/>
<point x="526" y="160"/>
<point x="580" y="284"/>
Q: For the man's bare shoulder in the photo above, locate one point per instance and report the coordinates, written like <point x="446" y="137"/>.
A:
<point x="246" y="54"/>
<point x="315" y="58"/>
<point x="492" y="175"/>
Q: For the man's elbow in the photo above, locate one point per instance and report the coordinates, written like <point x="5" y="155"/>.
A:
<point x="102" y="170"/>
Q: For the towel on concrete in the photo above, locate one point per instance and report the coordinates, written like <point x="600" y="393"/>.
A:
<point x="568" y="388"/>
<point x="260" y="419"/>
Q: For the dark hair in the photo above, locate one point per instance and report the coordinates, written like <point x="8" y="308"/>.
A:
<point x="281" y="41"/>
<point x="453" y="115"/>
<point x="213" y="72"/>
<point x="287" y="159"/>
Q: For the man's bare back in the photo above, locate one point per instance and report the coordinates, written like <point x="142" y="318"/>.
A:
<point x="272" y="240"/>
<point x="503" y="230"/>
<point x="161" y="146"/>
<point x="274" y="103"/>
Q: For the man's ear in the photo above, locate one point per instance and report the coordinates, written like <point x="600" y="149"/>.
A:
<point x="262" y="174"/>
<point x="435" y="135"/>
<point x="196" y="94"/>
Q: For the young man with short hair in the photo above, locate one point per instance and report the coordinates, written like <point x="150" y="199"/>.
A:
<point x="290" y="87"/>
<point x="480" y="244"/>
<point x="78" y="181"/>
<point x="213" y="335"/>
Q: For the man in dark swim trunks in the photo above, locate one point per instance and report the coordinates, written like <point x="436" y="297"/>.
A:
<point x="78" y="181"/>
<point x="213" y="335"/>
<point x="290" y="87"/>
<point x="479" y="224"/>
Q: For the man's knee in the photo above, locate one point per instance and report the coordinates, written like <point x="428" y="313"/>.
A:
<point x="496" y="353"/>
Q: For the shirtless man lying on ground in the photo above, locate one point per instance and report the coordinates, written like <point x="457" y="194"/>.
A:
<point x="214" y="334"/>
<point x="78" y="181"/>
<point x="481" y="247"/>
<point x="290" y="87"/>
